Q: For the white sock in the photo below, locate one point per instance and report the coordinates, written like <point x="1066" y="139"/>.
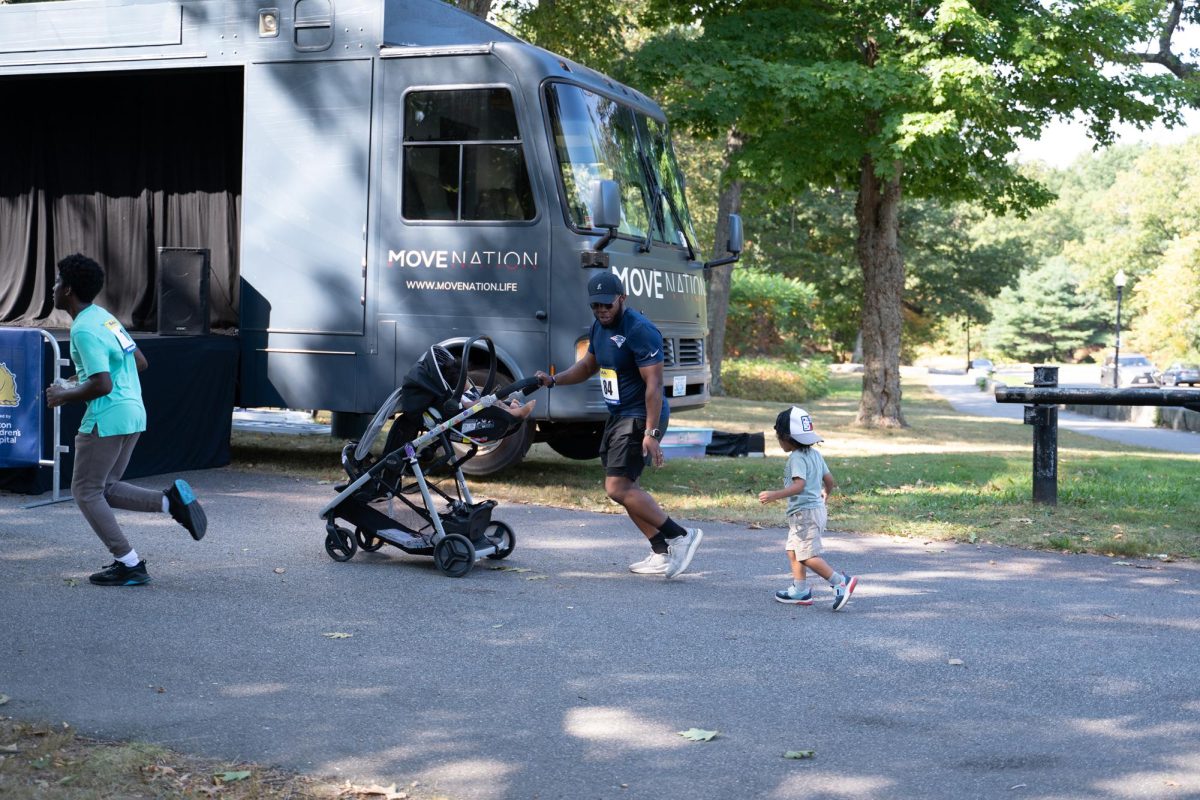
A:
<point x="130" y="559"/>
<point x="166" y="504"/>
<point x="837" y="579"/>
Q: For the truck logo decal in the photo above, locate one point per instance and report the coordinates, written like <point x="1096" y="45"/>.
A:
<point x="446" y="259"/>
<point x="657" y="284"/>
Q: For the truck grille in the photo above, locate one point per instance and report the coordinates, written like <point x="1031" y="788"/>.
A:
<point x="683" y="352"/>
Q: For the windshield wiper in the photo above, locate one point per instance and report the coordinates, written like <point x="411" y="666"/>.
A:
<point x="657" y="195"/>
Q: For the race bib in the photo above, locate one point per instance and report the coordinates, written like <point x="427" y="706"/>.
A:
<point x="122" y="337"/>
<point x="608" y="386"/>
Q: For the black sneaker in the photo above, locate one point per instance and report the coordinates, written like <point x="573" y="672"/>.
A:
<point x="117" y="574"/>
<point x="185" y="508"/>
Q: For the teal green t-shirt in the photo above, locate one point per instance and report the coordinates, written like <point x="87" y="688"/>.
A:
<point x="809" y="465"/>
<point x="98" y="344"/>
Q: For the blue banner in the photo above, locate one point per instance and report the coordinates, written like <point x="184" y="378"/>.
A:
<point x="21" y="397"/>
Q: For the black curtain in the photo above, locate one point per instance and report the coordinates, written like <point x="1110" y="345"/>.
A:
<point x="114" y="166"/>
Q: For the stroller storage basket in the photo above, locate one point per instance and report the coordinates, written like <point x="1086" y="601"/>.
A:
<point x="469" y="520"/>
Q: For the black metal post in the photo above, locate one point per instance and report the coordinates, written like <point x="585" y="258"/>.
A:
<point x="1044" y="419"/>
<point x="967" y="325"/>
<point x="1117" y="355"/>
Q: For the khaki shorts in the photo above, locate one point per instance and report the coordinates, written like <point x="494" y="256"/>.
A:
<point x="804" y="532"/>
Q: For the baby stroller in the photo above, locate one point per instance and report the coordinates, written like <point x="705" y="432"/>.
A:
<point x="432" y="419"/>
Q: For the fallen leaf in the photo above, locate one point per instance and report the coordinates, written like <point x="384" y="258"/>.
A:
<point x="536" y="578"/>
<point x="337" y="635"/>
<point x="698" y="735"/>
<point x="71" y="581"/>
<point x="9" y="748"/>
<point x="500" y="625"/>
<point x="1122" y="564"/>
<point x="231" y="777"/>
<point x="797" y="754"/>
<point x="506" y="568"/>
<point x="955" y="662"/>
<point x="1016" y="786"/>
<point x="280" y="570"/>
<point x="754" y="526"/>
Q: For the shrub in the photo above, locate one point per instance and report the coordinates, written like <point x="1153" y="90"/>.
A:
<point x="775" y="380"/>
<point x="769" y="314"/>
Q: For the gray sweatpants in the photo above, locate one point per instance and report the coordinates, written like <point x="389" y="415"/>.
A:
<point x="100" y="461"/>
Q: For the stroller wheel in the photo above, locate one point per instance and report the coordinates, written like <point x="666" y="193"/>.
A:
<point x="339" y="543"/>
<point x="454" y="555"/>
<point x="369" y="542"/>
<point x="502" y="536"/>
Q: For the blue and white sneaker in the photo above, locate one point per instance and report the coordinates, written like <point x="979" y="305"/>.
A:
<point x="842" y="592"/>
<point x="793" y="596"/>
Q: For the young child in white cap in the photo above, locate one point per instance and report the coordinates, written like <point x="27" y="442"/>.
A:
<point x="806" y="484"/>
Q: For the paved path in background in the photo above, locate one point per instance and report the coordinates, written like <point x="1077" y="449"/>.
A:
<point x="571" y="679"/>
<point x="965" y="396"/>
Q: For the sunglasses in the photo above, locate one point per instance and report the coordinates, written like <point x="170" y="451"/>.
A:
<point x="598" y="306"/>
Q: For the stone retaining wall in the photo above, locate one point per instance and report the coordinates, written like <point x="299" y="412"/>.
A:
<point x="1173" y="417"/>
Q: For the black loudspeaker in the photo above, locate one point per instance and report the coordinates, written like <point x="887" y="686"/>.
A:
<point x="182" y="291"/>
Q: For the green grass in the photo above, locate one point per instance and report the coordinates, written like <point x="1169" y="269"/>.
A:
<point x="947" y="476"/>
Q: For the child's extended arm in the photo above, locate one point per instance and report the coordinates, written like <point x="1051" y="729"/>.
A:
<point x="796" y="488"/>
<point x="826" y="486"/>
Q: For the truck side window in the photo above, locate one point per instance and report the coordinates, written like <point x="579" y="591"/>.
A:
<point x="463" y="159"/>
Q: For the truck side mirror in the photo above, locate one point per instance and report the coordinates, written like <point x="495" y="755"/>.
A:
<point x="733" y="244"/>
<point x="606" y="211"/>
<point x="735" y="234"/>
<point x="606" y="205"/>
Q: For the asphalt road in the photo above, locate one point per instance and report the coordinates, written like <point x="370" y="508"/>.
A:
<point x="572" y="679"/>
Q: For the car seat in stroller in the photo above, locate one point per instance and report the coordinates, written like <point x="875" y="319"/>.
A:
<point x="432" y="418"/>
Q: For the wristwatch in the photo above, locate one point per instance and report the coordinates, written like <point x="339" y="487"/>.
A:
<point x="655" y="432"/>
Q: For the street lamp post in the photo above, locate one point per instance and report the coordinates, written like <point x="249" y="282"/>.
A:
<point x="1119" y="282"/>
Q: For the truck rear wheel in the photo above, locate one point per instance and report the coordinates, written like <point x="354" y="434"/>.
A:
<point x="504" y="453"/>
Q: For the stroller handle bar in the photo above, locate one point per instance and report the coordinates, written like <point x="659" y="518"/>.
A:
<point x="525" y="386"/>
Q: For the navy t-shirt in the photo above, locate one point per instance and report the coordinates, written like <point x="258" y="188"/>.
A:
<point x="632" y="342"/>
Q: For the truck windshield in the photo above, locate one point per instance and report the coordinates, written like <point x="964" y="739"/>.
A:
<point x="595" y="139"/>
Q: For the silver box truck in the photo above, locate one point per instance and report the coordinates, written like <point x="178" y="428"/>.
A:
<point x="369" y="176"/>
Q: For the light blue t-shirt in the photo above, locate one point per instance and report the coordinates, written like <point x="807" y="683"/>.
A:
<point x="100" y="344"/>
<point x="809" y="465"/>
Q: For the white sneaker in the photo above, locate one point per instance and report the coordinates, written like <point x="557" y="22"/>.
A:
<point x="654" y="564"/>
<point x="680" y="551"/>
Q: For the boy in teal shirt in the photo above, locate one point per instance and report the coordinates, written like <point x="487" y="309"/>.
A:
<point x="107" y="363"/>
<point x="807" y="482"/>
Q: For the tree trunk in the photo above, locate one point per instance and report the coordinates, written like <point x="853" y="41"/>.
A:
<point x="878" y="251"/>
<point x="479" y="8"/>
<point x="719" y="278"/>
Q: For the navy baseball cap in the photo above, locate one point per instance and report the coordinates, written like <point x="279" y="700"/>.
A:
<point x="605" y="288"/>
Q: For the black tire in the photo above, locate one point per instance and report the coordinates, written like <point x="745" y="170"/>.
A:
<point x="339" y="543"/>
<point x="502" y="536"/>
<point x="368" y="542"/>
<point x="454" y="555"/>
<point x="504" y="453"/>
<point x="580" y="441"/>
